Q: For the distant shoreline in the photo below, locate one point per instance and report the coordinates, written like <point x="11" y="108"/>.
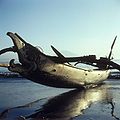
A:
<point x="9" y="75"/>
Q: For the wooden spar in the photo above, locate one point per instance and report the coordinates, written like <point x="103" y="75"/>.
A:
<point x="10" y="49"/>
<point x="4" y="65"/>
<point x="112" y="48"/>
<point x="60" y="56"/>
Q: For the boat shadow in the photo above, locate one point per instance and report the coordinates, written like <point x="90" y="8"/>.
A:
<point x="61" y="107"/>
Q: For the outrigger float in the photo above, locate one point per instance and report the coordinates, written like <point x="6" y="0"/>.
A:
<point x="56" y="71"/>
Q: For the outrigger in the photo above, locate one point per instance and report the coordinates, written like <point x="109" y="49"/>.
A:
<point x="56" y="71"/>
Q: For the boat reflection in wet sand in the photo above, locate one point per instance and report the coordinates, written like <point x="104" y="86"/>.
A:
<point x="62" y="107"/>
<point x="71" y="104"/>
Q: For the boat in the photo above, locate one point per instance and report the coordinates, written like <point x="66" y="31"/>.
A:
<point x="55" y="71"/>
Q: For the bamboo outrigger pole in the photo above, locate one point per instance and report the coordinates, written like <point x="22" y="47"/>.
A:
<point x="4" y="65"/>
<point x="10" y="49"/>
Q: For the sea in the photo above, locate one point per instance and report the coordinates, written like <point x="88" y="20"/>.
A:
<point x="22" y="99"/>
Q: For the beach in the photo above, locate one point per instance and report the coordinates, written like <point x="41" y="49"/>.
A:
<point x="22" y="99"/>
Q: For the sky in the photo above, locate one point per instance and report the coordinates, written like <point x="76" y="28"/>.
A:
<point x="74" y="27"/>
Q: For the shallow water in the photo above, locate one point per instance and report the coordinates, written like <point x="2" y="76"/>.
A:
<point x="21" y="97"/>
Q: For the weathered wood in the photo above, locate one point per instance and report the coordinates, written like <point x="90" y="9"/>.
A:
<point x="51" y="70"/>
<point x="4" y="65"/>
<point x="10" y="49"/>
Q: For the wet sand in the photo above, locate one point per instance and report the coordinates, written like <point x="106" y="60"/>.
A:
<point x="23" y="99"/>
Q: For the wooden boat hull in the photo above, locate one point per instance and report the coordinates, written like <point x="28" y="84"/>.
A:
<point x="40" y="68"/>
<point x="64" y="76"/>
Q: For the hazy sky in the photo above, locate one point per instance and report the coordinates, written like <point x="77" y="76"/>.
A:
<point x="81" y="27"/>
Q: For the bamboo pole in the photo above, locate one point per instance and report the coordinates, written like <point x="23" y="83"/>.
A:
<point x="10" y="49"/>
<point x="4" y="65"/>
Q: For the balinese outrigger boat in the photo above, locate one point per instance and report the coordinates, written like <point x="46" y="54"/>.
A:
<point x="56" y="71"/>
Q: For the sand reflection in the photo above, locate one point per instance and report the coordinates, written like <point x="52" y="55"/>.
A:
<point x="62" y="107"/>
<point x="70" y="104"/>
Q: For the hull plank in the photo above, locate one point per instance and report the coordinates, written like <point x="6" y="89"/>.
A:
<point x="60" y="75"/>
